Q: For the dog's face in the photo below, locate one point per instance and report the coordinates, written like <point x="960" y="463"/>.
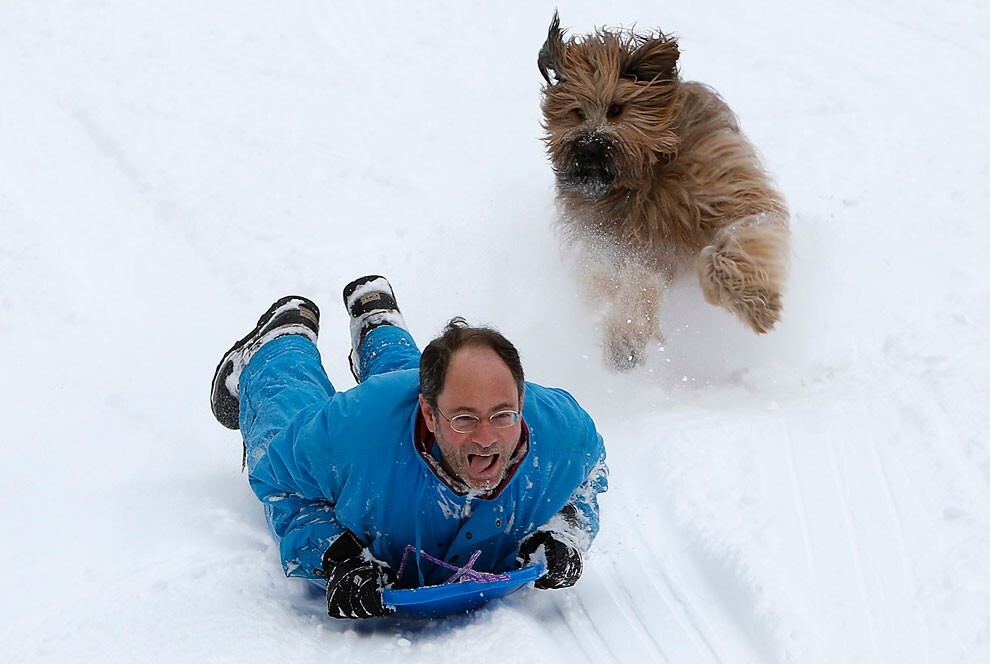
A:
<point x="609" y="107"/>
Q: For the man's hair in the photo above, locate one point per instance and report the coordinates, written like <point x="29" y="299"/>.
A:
<point x="435" y="360"/>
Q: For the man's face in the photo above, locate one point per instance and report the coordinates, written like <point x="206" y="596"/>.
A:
<point x="478" y="383"/>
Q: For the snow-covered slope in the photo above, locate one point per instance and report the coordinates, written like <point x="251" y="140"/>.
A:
<point x="820" y="494"/>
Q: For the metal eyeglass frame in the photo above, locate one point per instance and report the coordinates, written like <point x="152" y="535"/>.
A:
<point x="466" y="417"/>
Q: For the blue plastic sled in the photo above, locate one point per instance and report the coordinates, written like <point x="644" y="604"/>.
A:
<point x="461" y="597"/>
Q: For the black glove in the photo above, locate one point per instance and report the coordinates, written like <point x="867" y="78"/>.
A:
<point x="564" y="564"/>
<point x="354" y="580"/>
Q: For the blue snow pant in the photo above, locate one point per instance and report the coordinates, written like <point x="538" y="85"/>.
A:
<point x="286" y="375"/>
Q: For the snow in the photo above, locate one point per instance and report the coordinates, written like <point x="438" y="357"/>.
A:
<point x="818" y="494"/>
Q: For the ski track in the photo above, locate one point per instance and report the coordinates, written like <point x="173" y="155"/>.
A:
<point x="581" y="627"/>
<point x="855" y="541"/>
<point x="661" y="597"/>
<point x="902" y="549"/>
<point x="683" y="609"/>
<point x="867" y="519"/>
<point x="942" y="449"/>
<point x="618" y="592"/>
<point x="802" y="509"/>
<point x="597" y="649"/>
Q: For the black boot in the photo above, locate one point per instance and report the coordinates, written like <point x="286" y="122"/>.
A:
<point x="290" y="315"/>
<point x="370" y="302"/>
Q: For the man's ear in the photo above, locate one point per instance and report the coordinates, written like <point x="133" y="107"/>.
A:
<point x="428" y="416"/>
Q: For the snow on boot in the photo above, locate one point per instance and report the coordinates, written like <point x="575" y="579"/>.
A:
<point x="370" y="302"/>
<point x="290" y="315"/>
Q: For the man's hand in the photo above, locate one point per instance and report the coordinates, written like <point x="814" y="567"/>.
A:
<point x="563" y="561"/>
<point x="354" y="580"/>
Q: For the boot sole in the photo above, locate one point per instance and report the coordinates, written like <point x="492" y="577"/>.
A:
<point x="226" y="406"/>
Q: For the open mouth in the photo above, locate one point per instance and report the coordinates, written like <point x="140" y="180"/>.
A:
<point x="482" y="464"/>
<point x="592" y="183"/>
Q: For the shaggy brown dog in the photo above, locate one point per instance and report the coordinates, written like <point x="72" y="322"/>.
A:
<point x="653" y="176"/>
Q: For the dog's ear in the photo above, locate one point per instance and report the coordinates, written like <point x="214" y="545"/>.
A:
<point x="552" y="52"/>
<point x="653" y="59"/>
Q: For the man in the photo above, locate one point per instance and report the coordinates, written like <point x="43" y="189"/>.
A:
<point x="450" y="452"/>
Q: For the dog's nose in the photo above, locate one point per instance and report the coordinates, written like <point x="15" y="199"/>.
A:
<point x="591" y="152"/>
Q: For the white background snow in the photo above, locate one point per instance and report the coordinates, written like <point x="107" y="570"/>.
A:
<point x="167" y="170"/>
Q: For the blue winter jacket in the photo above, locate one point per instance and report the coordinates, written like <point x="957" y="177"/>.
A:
<point x="348" y="460"/>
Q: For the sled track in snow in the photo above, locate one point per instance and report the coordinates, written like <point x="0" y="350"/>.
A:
<point x="652" y="604"/>
<point x="846" y="504"/>
<point x="851" y="540"/>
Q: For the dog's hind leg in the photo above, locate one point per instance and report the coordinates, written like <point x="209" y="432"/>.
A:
<point x="744" y="269"/>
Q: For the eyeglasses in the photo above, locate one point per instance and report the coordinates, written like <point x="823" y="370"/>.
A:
<point x="503" y="419"/>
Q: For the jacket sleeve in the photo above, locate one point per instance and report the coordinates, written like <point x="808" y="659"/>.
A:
<point x="577" y="523"/>
<point x="299" y="505"/>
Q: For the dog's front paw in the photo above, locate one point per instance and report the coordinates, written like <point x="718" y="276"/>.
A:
<point x="732" y="280"/>
<point x="759" y="309"/>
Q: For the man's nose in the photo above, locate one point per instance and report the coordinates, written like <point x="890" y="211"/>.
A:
<point x="484" y="433"/>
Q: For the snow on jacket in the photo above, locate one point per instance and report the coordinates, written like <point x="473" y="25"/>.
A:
<point x="350" y="462"/>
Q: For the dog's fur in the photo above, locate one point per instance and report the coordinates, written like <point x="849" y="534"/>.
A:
<point x="654" y="175"/>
